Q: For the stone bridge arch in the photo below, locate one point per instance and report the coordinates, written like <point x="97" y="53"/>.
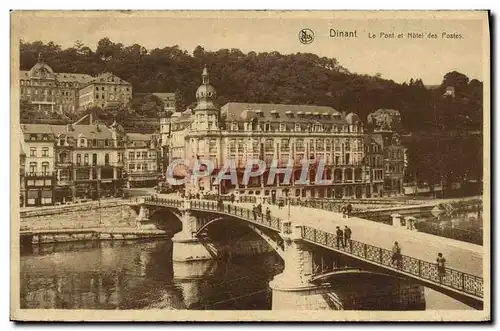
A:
<point x="276" y="245"/>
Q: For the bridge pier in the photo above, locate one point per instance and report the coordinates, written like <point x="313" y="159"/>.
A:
<point x="186" y="246"/>
<point x="292" y="289"/>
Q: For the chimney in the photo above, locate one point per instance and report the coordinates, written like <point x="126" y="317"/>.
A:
<point x="69" y="127"/>
<point x="98" y="128"/>
<point x="90" y="119"/>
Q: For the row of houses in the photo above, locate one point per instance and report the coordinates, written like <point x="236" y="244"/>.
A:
<point x="84" y="160"/>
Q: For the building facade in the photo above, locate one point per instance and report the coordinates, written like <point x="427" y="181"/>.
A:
<point x="142" y="160"/>
<point x="39" y="175"/>
<point x="105" y="90"/>
<point x="69" y="163"/>
<point x="286" y="133"/>
<point x="49" y="91"/>
<point x="168" y="100"/>
<point x="394" y="162"/>
<point x="374" y="158"/>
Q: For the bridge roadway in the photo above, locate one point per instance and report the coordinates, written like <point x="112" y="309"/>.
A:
<point x="462" y="256"/>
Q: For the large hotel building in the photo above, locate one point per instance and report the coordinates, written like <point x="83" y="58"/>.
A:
<point x="243" y="131"/>
<point x="65" y="92"/>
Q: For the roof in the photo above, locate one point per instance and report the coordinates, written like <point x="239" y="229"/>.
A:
<point x="369" y="139"/>
<point x="36" y="128"/>
<point x="165" y="96"/>
<point x="88" y="131"/>
<point x="138" y="137"/>
<point x="237" y="111"/>
<point x="62" y="77"/>
<point x="108" y="78"/>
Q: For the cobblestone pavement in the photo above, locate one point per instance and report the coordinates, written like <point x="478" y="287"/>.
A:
<point x="459" y="255"/>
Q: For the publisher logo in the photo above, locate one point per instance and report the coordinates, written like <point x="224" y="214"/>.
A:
<point x="306" y="36"/>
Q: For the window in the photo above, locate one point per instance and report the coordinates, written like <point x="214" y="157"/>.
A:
<point x="94" y="159"/>
<point x="232" y="146"/>
<point x="144" y="155"/>
<point x="32" y="167"/>
<point x="45" y="137"/>
<point x="33" y="151"/>
<point x="138" y="155"/>
<point x="347" y="146"/>
<point x="78" y="159"/>
<point x="45" y="168"/>
<point x="347" y="158"/>
<point x="131" y="167"/>
<point x="131" y="155"/>
<point x="268" y="127"/>
<point x="32" y="136"/>
<point x="282" y="127"/>
<point x="320" y="145"/>
<point x="285" y="145"/>
<point x="106" y="142"/>
<point x="212" y="146"/>
<point x="86" y="159"/>
<point x="241" y="147"/>
<point x="269" y="145"/>
<point x="299" y="145"/>
<point x="45" y="151"/>
<point x="106" y="159"/>
<point x="82" y="142"/>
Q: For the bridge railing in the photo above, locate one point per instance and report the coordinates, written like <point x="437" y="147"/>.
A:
<point x="237" y="211"/>
<point x="423" y="269"/>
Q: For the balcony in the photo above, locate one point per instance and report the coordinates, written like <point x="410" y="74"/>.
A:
<point x="38" y="174"/>
<point x="64" y="164"/>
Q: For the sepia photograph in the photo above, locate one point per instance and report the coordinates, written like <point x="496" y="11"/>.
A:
<point x="250" y="166"/>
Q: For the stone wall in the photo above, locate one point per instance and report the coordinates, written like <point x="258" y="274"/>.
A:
<point x="111" y="214"/>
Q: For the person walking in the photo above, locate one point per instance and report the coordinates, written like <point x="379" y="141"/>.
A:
<point x="348" y="210"/>
<point x="268" y="214"/>
<point x="340" y="238"/>
<point x="254" y="211"/>
<point x="396" y="254"/>
<point x="343" y="211"/>
<point x="347" y="236"/>
<point x="440" y="266"/>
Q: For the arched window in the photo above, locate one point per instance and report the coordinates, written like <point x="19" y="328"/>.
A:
<point x="348" y="174"/>
<point x="86" y="159"/>
<point x="106" y="159"/>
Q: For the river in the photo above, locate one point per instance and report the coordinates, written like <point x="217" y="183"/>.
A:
<point x="141" y="275"/>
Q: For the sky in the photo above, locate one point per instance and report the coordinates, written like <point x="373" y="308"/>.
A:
<point x="396" y="59"/>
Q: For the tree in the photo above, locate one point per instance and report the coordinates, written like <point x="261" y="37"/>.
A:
<point x="180" y="104"/>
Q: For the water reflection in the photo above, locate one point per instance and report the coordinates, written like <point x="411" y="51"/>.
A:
<point x="140" y="275"/>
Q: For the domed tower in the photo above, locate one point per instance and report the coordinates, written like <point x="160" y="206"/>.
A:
<point x="206" y="114"/>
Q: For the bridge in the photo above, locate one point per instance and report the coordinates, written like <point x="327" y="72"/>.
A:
<point x="300" y="236"/>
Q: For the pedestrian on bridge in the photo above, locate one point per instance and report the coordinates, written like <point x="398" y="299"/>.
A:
<point x="254" y="212"/>
<point x="347" y="236"/>
<point x="440" y="266"/>
<point x="340" y="238"/>
<point x="396" y="254"/>
<point x="343" y="210"/>
<point x="268" y="214"/>
<point x="348" y="210"/>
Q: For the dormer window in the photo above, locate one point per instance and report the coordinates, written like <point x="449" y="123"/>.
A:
<point x="274" y="113"/>
<point x="267" y="127"/>
<point x="282" y="127"/>
<point x="32" y="136"/>
<point x="297" y="127"/>
<point x="259" y="112"/>
<point x="289" y="113"/>
<point x="234" y="126"/>
<point x="300" y="114"/>
<point x="308" y="113"/>
<point x="316" y="113"/>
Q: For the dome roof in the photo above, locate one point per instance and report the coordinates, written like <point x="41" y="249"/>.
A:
<point x="352" y="118"/>
<point x="205" y="91"/>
